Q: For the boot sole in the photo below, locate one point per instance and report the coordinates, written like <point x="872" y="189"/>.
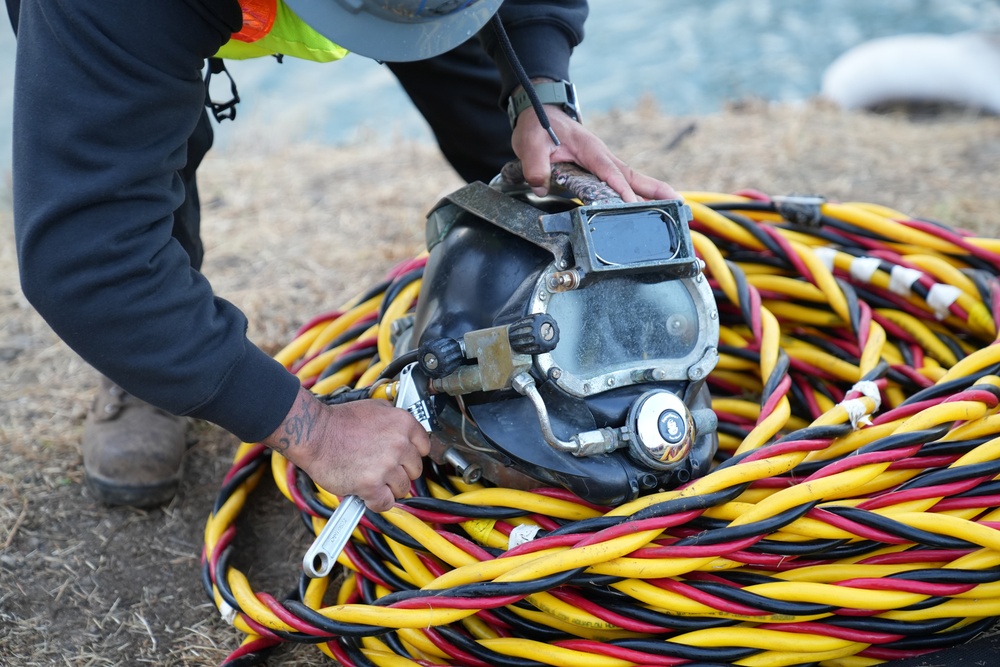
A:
<point x="133" y="496"/>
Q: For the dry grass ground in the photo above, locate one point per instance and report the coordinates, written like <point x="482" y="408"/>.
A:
<point x="295" y="232"/>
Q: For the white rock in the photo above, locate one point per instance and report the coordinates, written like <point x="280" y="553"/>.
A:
<point x="961" y="69"/>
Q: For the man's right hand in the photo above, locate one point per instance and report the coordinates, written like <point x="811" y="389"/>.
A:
<point x="366" y="448"/>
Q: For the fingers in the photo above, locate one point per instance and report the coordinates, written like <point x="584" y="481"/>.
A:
<point x="399" y="458"/>
<point x="419" y="437"/>
<point x="638" y="184"/>
<point x="536" y="163"/>
<point x="652" y="188"/>
<point x="411" y="468"/>
<point x="381" y="500"/>
<point x="366" y="448"/>
<point x="611" y="170"/>
<point x="536" y="151"/>
<point x="397" y="485"/>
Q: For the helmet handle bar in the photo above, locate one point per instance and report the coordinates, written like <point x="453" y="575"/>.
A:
<point x="568" y="180"/>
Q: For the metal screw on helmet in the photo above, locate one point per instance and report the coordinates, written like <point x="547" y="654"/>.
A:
<point x="396" y="30"/>
<point x="649" y="375"/>
<point x="563" y="281"/>
<point x="547" y="331"/>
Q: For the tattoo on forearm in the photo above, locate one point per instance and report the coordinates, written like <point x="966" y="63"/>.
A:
<point x="298" y="426"/>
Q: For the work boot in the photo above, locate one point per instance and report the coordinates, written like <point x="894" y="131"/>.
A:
<point x="132" y="451"/>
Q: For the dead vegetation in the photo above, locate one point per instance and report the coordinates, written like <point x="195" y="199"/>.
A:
<point x="295" y="232"/>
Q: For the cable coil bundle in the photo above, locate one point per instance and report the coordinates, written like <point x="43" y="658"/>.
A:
<point x="852" y="516"/>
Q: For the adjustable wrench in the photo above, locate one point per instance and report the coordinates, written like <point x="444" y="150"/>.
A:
<point x="321" y="556"/>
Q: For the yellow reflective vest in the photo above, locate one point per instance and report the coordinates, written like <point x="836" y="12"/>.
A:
<point x="269" y="28"/>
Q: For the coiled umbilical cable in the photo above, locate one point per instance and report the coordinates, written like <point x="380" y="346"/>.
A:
<point x="852" y="517"/>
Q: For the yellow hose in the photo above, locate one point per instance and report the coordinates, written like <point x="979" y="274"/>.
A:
<point x="810" y="341"/>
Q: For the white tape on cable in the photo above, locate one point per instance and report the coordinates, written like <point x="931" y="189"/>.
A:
<point x="228" y="613"/>
<point x="826" y="255"/>
<point x="869" y="389"/>
<point x="521" y="534"/>
<point x="863" y="268"/>
<point x="940" y="297"/>
<point x="857" y="410"/>
<point x="901" y="278"/>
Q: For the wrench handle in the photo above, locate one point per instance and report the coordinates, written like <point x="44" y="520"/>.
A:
<point x="321" y="556"/>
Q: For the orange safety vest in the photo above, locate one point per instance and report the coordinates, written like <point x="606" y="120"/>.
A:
<point x="258" y="19"/>
<point x="270" y="27"/>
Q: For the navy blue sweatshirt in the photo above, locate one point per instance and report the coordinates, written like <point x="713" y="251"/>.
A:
<point x="106" y="95"/>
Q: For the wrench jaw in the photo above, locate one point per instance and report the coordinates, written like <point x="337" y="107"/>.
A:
<point x="411" y="395"/>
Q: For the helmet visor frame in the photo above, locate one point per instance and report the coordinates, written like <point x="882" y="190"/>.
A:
<point x="636" y="328"/>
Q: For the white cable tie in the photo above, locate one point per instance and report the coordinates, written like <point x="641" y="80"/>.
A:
<point x="940" y="297"/>
<point x="901" y="278"/>
<point x="521" y="534"/>
<point x="228" y="613"/>
<point x="826" y="255"/>
<point x="863" y="268"/>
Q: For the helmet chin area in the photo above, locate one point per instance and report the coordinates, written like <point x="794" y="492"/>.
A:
<point x="568" y="345"/>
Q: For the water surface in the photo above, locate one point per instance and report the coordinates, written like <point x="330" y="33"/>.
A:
<point x="691" y="55"/>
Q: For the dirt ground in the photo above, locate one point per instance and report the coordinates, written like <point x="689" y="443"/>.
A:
<point x="294" y="232"/>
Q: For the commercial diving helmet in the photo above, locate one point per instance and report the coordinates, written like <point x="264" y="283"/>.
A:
<point x="566" y="344"/>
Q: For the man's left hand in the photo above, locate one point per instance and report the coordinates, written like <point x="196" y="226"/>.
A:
<point x="534" y="146"/>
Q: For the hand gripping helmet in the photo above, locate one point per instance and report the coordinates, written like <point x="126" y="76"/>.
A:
<point x="396" y="30"/>
<point x="567" y="345"/>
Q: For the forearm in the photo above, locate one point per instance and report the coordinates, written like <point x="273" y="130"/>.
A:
<point x="105" y="103"/>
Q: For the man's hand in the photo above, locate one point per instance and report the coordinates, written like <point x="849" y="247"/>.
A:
<point x="366" y="448"/>
<point x="534" y="147"/>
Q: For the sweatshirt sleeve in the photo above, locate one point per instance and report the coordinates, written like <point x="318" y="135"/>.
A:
<point x="543" y="35"/>
<point x="105" y="100"/>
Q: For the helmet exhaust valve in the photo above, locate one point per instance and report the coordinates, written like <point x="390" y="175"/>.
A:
<point x="663" y="430"/>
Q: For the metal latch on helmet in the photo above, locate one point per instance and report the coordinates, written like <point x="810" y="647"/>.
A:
<point x="500" y="352"/>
